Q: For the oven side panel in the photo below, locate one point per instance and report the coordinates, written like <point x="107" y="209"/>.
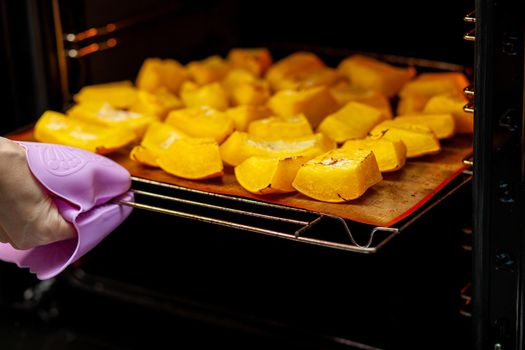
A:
<point x="498" y="174"/>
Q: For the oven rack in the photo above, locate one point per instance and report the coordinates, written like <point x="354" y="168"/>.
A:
<point x="251" y="215"/>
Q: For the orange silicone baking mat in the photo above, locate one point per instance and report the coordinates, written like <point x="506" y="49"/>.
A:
<point x="393" y="199"/>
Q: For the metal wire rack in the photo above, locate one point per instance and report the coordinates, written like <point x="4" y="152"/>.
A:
<point x="275" y="220"/>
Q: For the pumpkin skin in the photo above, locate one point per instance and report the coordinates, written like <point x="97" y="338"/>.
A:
<point x="267" y="175"/>
<point x="419" y="140"/>
<point x="201" y="122"/>
<point x="239" y="147"/>
<point x="338" y="176"/>
<point x="353" y="121"/>
<point x="54" y="127"/>
<point x="464" y="122"/>
<point x="280" y="128"/>
<point x="192" y="158"/>
<point x="315" y="103"/>
<point x="371" y="74"/>
<point x="390" y="154"/>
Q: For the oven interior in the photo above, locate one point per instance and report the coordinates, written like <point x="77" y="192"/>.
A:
<point x="205" y="285"/>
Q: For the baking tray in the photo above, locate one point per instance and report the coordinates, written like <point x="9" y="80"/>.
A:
<point x="384" y="210"/>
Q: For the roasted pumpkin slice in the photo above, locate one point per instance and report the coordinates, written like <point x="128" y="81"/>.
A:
<point x="315" y="103"/>
<point x="266" y="175"/>
<point x="419" y="140"/>
<point x="245" y="89"/>
<point x="242" y="116"/>
<point x="344" y="92"/>
<point x="53" y="127"/>
<point x="239" y="146"/>
<point x="464" y="122"/>
<point x="159" y="103"/>
<point x="256" y="61"/>
<point x="304" y="80"/>
<point x="157" y="139"/>
<point x="143" y="155"/>
<point x="390" y="154"/>
<point x="284" y="74"/>
<point x="106" y="115"/>
<point x="192" y="158"/>
<point x="209" y="70"/>
<point x="432" y="84"/>
<point x="157" y="74"/>
<point x="338" y="176"/>
<point x="201" y="122"/>
<point x="411" y="104"/>
<point x="353" y="121"/>
<point x="120" y="94"/>
<point x="371" y="74"/>
<point x="280" y="128"/>
<point x="211" y="95"/>
<point x="441" y="124"/>
<point x="253" y="93"/>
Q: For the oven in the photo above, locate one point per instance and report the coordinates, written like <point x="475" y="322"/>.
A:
<point x="216" y="270"/>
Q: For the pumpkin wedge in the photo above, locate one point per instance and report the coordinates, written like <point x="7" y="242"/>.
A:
<point x="211" y="95"/>
<point x="286" y="73"/>
<point x="239" y="147"/>
<point x="419" y="140"/>
<point x="104" y="114"/>
<point x="54" y="127"/>
<point x="344" y="92"/>
<point x="432" y="84"/>
<point x="315" y="103"/>
<point x="201" y="122"/>
<point x="452" y="104"/>
<point x="245" y="89"/>
<point x="156" y="74"/>
<point x="371" y="74"/>
<point x="159" y="103"/>
<point x="119" y="94"/>
<point x="338" y="176"/>
<point x="256" y="61"/>
<point x="442" y="125"/>
<point x="209" y="70"/>
<point x="242" y="116"/>
<point x="390" y="154"/>
<point x="353" y="121"/>
<point x="192" y="158"/>
<point x="264" y="175"/>
<point x="157" y="139"/>
<point x="280" y="128"/>
<point x="411" y="104"/>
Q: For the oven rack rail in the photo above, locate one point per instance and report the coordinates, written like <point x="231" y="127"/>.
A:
<point x="250" y="215"/>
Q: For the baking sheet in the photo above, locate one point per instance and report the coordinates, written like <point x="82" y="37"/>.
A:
<point x="393" y="199"/>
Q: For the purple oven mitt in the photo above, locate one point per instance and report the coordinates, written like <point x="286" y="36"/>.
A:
<point x="81" y="184"/>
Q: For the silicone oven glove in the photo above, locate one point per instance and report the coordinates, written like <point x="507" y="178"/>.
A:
<point x="82" y="185"/>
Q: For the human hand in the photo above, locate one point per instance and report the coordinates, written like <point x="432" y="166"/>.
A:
<point x="28" y="216"/>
